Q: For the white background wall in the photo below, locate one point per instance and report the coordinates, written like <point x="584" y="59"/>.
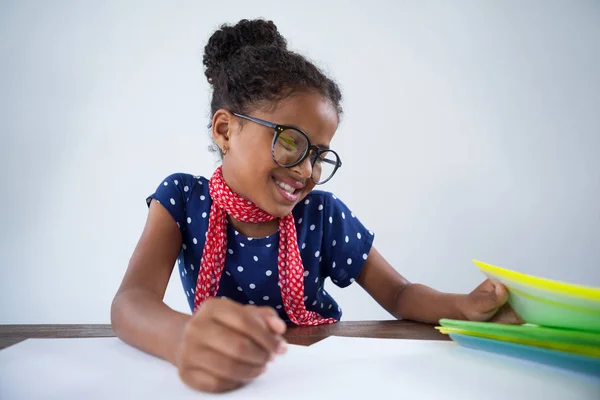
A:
<point x="472" y="130"/>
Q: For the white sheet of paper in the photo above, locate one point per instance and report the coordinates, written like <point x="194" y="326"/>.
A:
<point x="103" y="368"/>
<point x="430" y="369"/>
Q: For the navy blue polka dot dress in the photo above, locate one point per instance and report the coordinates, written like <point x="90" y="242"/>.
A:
<point x="333" y="244"/>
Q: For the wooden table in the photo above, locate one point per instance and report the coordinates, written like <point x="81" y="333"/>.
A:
<point x="304" y="336"/>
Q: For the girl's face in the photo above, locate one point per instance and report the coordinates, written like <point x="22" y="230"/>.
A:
<point x="248" y="166"/>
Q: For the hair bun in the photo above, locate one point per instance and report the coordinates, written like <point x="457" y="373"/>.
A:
<point x="229" y="39"/>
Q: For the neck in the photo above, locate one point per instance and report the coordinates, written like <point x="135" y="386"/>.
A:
<point x="255" y="230"/>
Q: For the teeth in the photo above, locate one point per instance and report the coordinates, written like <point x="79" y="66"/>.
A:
<point x="286" y="187"/>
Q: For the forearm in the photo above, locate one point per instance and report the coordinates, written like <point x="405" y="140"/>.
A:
<point x="421" y="303"/>
<point x="145" y="322"/>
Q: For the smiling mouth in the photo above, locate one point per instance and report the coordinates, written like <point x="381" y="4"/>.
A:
<point x="286" y="187"/>
<point x="289" y="193"/>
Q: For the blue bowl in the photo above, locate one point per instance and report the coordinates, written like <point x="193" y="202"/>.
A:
<point x="560" y="359"/>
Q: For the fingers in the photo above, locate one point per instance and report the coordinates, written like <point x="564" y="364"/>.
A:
<point x="485" y="286"/>
<point x="489" y="296"/>
<point x="235" y="345"/>
<point x="489" y="302"/>
<point x="501" y="293"/>
<point x="272" y="319"/>
<point x="277" y="326"/>
<point x="248" y="322"/>
<point x="506" y="315"/>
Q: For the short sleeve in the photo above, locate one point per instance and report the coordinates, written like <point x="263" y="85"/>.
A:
<point x="346" y="242"/>
<point x="170" y="194"/>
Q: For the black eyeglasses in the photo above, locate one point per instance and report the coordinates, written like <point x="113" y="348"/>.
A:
<point x="291" y="146"/>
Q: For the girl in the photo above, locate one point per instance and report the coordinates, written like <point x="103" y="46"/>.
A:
<point x="254" y="242"/>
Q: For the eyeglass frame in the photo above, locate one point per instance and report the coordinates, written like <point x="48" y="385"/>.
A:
<point x="278" y="130"/>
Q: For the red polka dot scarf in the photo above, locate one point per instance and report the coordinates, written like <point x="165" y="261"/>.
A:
<point x="289" y="263"/>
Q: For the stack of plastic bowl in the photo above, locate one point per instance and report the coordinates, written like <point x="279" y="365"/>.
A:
<point x="562" y="326"/>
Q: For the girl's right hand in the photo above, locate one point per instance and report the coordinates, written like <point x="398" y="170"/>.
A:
<point x="225" y="345"/>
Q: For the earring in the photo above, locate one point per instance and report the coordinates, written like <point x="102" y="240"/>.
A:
<point x="225" y="150"/>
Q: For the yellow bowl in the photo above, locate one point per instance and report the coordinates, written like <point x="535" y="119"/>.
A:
<point x="546" y="302"/>
<point x="586" y="292"/>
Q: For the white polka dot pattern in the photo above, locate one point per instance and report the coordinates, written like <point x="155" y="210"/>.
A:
<point x="289" y="263"/>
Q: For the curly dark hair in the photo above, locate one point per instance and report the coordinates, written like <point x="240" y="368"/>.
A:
<point x="249" y="66"/>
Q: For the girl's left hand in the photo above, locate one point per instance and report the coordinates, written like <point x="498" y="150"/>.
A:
<point x="488" y="302"/>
